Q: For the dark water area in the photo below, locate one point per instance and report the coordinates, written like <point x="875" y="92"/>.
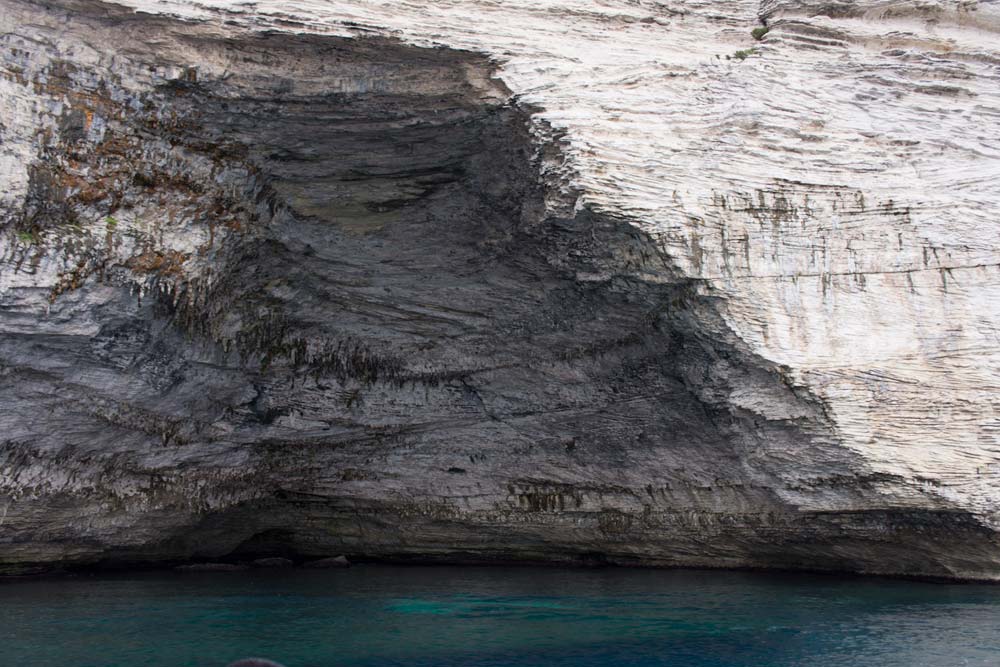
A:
<point x="381" y="616"/>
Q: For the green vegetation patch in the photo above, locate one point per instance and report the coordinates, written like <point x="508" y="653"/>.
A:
<point x="27" y="238"/>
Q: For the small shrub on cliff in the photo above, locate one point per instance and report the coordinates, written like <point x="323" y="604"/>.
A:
<point x="758" y="33"/>
<point x="743" y="54"/>
<point x="27" y="238"/>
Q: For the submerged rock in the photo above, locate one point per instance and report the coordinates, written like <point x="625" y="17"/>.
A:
<point x="430" y="281"/>
<point x="273" y="562"/>
<point x="328" y="563"/>
<point x="210" y="567"/>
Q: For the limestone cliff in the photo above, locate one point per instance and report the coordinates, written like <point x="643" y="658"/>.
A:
<point x="460" y="280"/>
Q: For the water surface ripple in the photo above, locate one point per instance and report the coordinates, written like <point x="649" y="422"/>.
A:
<point x="384" y="616"/>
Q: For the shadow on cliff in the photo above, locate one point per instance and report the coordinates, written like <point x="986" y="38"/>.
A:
<point x="333" y="295"/>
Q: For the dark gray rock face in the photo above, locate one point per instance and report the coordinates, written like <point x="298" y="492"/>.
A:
<point x="278" y="295"/>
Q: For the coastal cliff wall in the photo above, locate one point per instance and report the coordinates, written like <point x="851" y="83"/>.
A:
<point x="458" y="281"/>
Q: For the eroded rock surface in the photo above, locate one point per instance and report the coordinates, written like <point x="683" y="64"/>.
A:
<point x="466" y="281"/>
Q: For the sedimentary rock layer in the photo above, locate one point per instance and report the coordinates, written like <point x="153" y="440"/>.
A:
<point x="585" y="282"/>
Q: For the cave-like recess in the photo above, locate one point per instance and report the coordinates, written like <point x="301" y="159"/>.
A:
<point x="308" y="295"/>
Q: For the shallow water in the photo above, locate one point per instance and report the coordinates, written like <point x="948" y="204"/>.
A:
<point x="379" y="616"/>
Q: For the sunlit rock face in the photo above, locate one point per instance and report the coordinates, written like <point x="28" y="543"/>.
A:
<point x="466" y="281"/>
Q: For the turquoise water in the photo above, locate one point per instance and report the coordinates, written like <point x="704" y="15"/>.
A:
<point x="382" y="616"/>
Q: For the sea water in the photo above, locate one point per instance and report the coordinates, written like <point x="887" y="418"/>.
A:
<point x="380" y="616"/>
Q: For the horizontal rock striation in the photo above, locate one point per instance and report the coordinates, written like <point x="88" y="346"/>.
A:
<point x="453" y="281"/>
